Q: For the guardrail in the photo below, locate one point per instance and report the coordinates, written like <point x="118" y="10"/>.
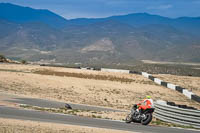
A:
<point x="176" y="115"/>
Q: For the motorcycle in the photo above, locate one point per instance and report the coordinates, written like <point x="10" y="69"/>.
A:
<point x="144" y="117"/>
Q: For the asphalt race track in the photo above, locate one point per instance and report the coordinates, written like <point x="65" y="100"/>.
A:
<point x="50" y="104"/>
<point x="8" y="112"/>
<point x="55" y="104"/>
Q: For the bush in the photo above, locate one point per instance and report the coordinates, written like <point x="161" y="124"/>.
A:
<point x="2" y="58"/>
<point x="23" y="61"/>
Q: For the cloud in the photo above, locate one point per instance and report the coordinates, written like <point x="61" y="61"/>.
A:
<point x="161" y="7"/>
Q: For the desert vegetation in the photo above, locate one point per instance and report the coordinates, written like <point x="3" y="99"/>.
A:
<point x="90" y="76"/>
<point x="2" y="58"/>
<point x="86" y="113"/>
<point x="173" y="69"/>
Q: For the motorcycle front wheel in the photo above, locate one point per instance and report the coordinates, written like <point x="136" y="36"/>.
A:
<point x="147" y="119"/>
<point x="129" y="118"/>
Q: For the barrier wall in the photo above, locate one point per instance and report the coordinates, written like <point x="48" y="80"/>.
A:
<point x="186" y="117"/>
<point x="180" y="89"/>
<point x="115" y="70"/>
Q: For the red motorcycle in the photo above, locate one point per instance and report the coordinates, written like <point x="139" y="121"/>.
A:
<point x="144" y="116"/>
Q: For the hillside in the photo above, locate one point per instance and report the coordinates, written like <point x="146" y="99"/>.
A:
<point x="41" y="35"/>
<point x="21" y="14"/>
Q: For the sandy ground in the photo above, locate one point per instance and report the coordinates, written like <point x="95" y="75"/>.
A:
<point x="190" y="83"/>
<point x="114" y="94"/>
<point x="20" y="126"/>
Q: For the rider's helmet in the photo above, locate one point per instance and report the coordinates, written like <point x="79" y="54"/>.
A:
<point x="148" y="97"/>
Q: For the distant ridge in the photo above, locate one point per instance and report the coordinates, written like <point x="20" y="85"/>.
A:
<point x="21" y="14"/>
<point x="41" y="35"/>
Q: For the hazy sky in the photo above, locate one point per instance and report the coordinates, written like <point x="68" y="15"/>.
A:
<point x="102" y="8"/>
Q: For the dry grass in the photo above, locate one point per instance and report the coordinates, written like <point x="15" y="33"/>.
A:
<point x="166" y="124"/>
<point x="85" y="113"/>
<point x="84" y="76"/>
<point x="20" y="126"/>
<point x="108" y="91"/>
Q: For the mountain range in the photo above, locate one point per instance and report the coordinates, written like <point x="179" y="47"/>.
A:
<point x="41" y="35"/>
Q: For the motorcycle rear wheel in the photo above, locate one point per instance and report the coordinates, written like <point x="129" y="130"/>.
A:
<point x="147" y="120"/>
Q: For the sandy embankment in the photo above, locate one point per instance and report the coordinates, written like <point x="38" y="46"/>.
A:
<point x="21" y="126"/>
<point x="108" y="92"/>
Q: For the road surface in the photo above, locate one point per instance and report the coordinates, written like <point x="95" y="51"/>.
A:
<point x="9" y="112"/>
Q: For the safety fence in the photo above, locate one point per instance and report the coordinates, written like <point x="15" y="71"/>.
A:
<point x="177" y="115"/>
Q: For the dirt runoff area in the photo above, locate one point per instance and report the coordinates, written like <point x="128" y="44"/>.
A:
<point x="20" y="126"/>
<point x="190" y="83"/>
<point x="114" y="90"/>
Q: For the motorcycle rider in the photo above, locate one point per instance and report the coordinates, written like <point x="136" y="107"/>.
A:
<point x="141" y="112"/>
<point x="145" y="104"/>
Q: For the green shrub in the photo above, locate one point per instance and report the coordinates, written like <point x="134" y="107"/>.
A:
<point x="2" y="58"/>
<point x="23" y="61"/>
